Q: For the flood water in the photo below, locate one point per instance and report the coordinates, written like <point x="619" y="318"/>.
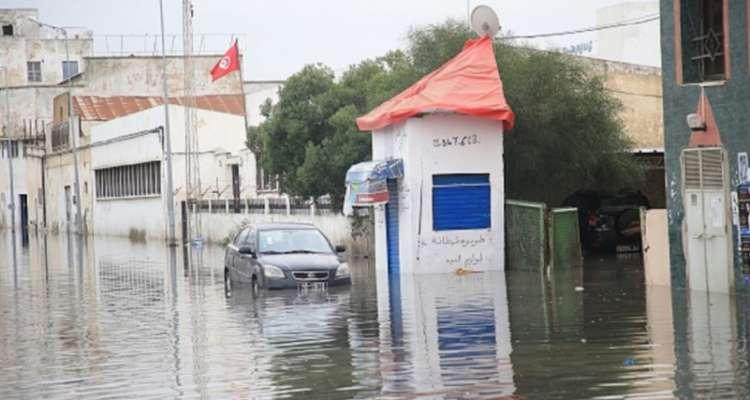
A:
<point x="122" y="320"/>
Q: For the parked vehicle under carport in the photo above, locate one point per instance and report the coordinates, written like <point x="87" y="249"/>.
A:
<point x="608" y="221"/>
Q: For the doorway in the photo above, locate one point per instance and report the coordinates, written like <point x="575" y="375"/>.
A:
<point x="392" y="228"/>
<point x="236" y="187"/>
<point x="707" y="229"/>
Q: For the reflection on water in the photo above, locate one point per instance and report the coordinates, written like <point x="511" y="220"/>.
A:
<point x="106" y="318"/>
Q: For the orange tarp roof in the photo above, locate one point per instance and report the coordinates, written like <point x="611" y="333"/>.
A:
<point x="96" y="108"/>
<point x="467" y="84"/>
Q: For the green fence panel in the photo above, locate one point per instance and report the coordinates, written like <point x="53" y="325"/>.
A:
<point x="565" y="239"/>
<point x="525" y="235"/>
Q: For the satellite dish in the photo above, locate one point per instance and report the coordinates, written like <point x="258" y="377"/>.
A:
<point x="484" y="21"/>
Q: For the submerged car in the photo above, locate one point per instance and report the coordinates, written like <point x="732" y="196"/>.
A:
<point x="280" y="256"/>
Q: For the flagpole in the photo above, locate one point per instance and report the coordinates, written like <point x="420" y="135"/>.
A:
<point x="242" y="91"/>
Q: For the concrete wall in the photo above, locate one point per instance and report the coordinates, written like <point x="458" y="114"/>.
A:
<point x="446" y="251"/>
<point x="639" y="89"/>
<point x="655" y="247"/>
<point x="142" y="76"/>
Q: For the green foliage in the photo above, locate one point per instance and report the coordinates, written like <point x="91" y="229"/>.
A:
<point x="567" y="134"/>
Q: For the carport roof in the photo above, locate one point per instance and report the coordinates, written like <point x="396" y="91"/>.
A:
<point x="98" y="108"/>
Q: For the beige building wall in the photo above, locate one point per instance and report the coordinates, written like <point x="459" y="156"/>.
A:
<point x="639" y="88"/>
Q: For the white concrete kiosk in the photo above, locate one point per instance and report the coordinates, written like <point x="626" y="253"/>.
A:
<point x="446" y="212"/>
<point x="448" y="206"/>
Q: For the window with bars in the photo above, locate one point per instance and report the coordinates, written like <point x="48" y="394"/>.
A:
<point x="129" y="181"/>
<point x="703" y="40"/>
<point x="34" y="71"/>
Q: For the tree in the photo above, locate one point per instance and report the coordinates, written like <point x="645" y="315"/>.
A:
<point x="567" y="134"/>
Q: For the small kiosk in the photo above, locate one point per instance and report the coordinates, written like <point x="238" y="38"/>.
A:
<point x="436" y="180"/>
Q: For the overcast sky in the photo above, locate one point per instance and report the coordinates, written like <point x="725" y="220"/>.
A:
<point x="284" y="35"/>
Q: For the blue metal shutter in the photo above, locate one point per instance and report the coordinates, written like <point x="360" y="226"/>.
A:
<point x="391" y="227"/>
<point x="460" y="201"/>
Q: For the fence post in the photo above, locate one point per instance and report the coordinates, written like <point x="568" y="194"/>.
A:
<point x="267" y="206"/>
<point x="288" y="206"/>
<point x="226" y="206"/>
<point x="210" y="206"/>
<point x="247" y="206"/>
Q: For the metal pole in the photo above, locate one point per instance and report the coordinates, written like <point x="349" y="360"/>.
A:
<point x="74" y="139"/>
<point x="10" y="169"/>
<point x="12" y="205"/>
<point x="171" y="240"/>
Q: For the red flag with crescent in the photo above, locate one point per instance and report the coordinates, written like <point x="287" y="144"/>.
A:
<point x="228" y="63"/>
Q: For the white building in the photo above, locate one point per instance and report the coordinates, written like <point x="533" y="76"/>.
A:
<point x="127" y="166"/>
<point x="27" y="159"/>
<point x="635" y="43"/>
<point x="444" y="210"/>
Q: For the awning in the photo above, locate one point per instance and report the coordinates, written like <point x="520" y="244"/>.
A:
<point x="366" y="182"/>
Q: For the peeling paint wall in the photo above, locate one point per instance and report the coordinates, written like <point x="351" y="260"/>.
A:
<point x="29" y="42"/>
<point x="142" y="76"/>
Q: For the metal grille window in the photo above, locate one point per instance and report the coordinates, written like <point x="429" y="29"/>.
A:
<point x="129" y="181"/>
<point x="703" y="41"/>
<point x="34" y="71"/>
<point x="70" y="68"/>
<point x="461" y="201"/>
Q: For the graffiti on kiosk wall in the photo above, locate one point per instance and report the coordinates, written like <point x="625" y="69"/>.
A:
<point x="456" y="141"/>
<point x="456" y="241"/>
<point x="469" y="254"/>
<point x="466" y="261"/>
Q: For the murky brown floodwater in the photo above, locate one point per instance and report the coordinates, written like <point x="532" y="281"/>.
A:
<point x="118" y="320"/>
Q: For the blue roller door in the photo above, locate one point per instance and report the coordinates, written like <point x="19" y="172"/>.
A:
<point x="391" y="228"/>
<point x="461" y="201"/>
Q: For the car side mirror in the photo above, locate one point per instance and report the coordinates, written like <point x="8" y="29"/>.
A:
<point x="247" y="250"/>
<point x="340" y="248"/>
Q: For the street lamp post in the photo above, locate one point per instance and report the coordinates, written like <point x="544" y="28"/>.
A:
<point x="72" y="135"/>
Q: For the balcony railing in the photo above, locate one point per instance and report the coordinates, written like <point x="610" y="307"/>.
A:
<point x="60" y="137"/>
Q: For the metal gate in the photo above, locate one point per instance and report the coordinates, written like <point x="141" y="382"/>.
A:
<point x="391" y="228"/>
<point x="707" y="241"/>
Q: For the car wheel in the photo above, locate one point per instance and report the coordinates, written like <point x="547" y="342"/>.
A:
<point x="255" y="287"/>
<point x="227" y="283"/>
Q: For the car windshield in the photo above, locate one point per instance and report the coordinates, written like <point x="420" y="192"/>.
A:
<point x="286" y="241"/>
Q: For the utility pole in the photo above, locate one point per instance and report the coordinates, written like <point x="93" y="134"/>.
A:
<point x="12" y="205"/>
<point x="171" y="240"/>
<point x="72" y="135"/>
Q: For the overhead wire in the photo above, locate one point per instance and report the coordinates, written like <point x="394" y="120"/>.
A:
<point x="635" y="21"/>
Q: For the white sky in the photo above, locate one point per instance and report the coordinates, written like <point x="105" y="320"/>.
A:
<point x="284" y="35"/>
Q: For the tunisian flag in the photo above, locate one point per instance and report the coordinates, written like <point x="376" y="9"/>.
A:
<point x="230" y="62"/>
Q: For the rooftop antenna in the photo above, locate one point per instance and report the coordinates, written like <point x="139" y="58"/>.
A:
<point x="484" y="21"/>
